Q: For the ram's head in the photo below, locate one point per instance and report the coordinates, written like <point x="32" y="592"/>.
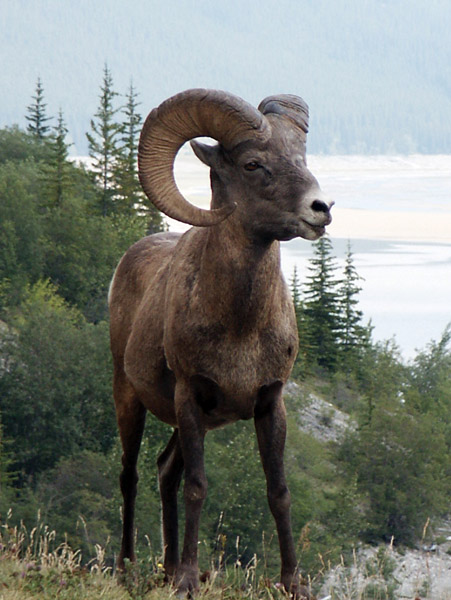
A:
<point x="259" y="176"/>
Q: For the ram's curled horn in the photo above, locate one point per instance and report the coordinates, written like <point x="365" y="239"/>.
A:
<point x="289" y="106"/>
<point x="193" y="113"/>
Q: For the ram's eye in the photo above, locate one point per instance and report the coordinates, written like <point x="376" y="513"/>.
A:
<point x="252" y="166"/>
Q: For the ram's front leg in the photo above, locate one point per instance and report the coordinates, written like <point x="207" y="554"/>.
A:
<point x="270" y="425"/>
<point x="191" y="438"/>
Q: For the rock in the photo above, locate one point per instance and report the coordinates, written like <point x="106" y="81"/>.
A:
<point x="317" y="416"/>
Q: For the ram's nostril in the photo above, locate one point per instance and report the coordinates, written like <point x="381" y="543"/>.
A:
<point x="320" y="206"/>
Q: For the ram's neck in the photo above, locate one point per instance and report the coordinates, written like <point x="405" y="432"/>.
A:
<point x="239" y="279"/>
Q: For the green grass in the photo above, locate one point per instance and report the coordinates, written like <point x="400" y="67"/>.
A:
<point x="21" y="580"/>
<point x="33" y="566"/>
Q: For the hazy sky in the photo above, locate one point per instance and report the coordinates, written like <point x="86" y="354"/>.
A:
<point x="340" y="55"/>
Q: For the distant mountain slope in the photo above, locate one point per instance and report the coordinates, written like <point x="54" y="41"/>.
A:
<point x="375" y="73"/>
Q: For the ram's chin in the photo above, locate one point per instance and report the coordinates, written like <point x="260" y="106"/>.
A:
<point x="311" y="232"/>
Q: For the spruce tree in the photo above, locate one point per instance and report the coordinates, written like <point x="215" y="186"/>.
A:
<point x="300" y="366"/>
<point x="36" y="116"/>
<point x="353" y="336"/>
<point x="57" y="170"/>
<point x="296" y="291"/>
<point x="429" y="388"/>
<point x="104" y="144"/>
<point x="126" y="175"/>
<point x="130" y="196"/>
<point x="322" y="307"/>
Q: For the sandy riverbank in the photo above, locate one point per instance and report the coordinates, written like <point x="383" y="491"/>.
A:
<point x="352" y="224"/>
<point x="337" y="176"/>
<point x="397" y="226"/>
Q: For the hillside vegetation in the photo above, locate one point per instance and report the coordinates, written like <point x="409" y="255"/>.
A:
<point x="382" y="476"/>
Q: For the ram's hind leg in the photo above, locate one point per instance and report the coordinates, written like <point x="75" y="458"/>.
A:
<point x="170" y="470"/>
<point x="131" y="417"/>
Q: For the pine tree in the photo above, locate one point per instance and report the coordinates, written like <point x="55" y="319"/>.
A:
<point x="353" y="336"/>
<point x="322" y="309"/>
<point x="36" y="116"/>
<point x="103" y="144"/>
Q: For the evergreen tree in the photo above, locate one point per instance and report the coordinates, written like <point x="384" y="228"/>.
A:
<point x="352" y="334"/>
<point x="131" y="198"/>
<point x="56" y="173"/>
<point x="429" y="387"/>
<point x="126" y="174"/>
<point x="36" y="116"/>
<point x="104" y="144"/>
<point x="398" y="461"/>
<point x="295" y="289"/>
<point x="300" y="365"/>
<point x="322" y="308"/>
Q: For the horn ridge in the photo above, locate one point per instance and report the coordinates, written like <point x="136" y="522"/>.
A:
<point x="193" y="113"/>
<point x="288" y="105"/>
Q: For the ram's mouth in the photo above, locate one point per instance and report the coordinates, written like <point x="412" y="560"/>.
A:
<point x="312" y="231"/>
<point x="319" y="229"/>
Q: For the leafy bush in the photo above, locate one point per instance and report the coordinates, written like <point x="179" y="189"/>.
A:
<point x="55" y="394"/>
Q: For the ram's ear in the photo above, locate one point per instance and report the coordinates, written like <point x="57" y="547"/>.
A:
<point x="206" y="153"/>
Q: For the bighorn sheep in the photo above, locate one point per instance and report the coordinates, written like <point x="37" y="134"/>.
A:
<point x="203" y="331"/>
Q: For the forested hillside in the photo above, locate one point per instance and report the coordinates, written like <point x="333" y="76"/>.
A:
<point x="375" y="74"/>
<point x="62" y="231"/>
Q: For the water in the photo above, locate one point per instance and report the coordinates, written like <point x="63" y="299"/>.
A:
<point x="406" y="286"/>
<point x="396" y="212"/>
<point x="416" y="183"/>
